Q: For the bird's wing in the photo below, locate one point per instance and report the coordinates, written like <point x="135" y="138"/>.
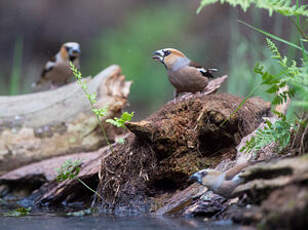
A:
<point x="229" y="174"/>
<point x="235" y="170"/>
<point x="203" y="71"/>
<point x="48" y="67"/>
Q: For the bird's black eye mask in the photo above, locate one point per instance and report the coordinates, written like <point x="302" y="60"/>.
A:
<point x="166" y="52"/>
<point x="203" y="173"/>
<point x="71" y="57"/>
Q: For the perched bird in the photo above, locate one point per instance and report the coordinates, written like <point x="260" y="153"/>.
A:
<point x="57" y="70"/>
<point x="221" y="183"/>
<point x="183" y="74"/>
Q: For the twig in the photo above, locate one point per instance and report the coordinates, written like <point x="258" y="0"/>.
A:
<point x="84" y="184"/>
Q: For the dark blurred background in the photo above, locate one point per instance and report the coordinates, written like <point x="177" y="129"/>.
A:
<point x="126" y="33"/>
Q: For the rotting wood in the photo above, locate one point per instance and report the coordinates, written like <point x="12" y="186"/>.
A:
<point x="165" y="150"/>
<point x="56" y="122"/>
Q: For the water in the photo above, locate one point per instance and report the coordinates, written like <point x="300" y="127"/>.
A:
<point x="109" y="223"/>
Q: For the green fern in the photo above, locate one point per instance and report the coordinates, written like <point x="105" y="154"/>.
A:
<point x="300" y="84"/>
<point x="291" y="81"/>
<point x="296" y="78"/>
<point x="283" y="7"/>
<point x="277" y="132"/>
<point x="291" y="75"/>
<point x="277" y="82"/>
<point x="69" y="170"/>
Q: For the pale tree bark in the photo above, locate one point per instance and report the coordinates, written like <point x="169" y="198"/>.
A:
<point x="56" y="122"/>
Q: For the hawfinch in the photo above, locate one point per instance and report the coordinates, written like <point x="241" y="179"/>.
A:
<point x="221" y="183"/>
<point x="57" y="70"/>
<point x="183" y="74"/>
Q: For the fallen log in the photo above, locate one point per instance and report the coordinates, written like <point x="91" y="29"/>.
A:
<point x="277" y="193"/>
<point x="56" y="122"/>
<point x="29" y="178"/>
<point x="163" y="151"/>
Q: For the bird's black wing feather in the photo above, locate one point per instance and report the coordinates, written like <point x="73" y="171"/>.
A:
<point x="203" y="71"/>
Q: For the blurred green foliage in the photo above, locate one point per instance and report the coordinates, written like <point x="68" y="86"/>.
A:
<point x="246" y="51"/>
<point x="18" y="212"/>
<point x="16" y="67"/>
<point x="131" y="46"/>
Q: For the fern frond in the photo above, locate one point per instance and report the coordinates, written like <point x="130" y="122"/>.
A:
<point x="271" y="45"/>
<point x="277" y="132"/>
<point x="283" y="7"/>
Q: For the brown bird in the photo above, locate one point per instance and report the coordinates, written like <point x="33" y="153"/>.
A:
<point x="57" y="70"/>
<point x="183" y="74"/>
<point x="222" y="183"/>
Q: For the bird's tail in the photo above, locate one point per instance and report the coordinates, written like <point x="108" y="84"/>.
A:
<point x="208" y="72"/>
<point x="214" y="85"/>
<point x="38" y="83"/>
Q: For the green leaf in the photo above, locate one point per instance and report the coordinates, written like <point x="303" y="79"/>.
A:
<point x="69" y="170"/>
<point x="121" y="141"/>
<point x="102" y="112"/>
<point x="120" y="122"/>
<point x="114" y="122"/>
<point x="273" y="89"/>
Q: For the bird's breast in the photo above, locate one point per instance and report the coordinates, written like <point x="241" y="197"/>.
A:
<point x="187" y="80"/>
<point x="59" y="74"/>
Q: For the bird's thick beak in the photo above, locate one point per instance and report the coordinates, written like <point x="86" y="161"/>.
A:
<point x="158" y="56"/>
<point x="74" y="51"/>
<point x="196" y="177"/>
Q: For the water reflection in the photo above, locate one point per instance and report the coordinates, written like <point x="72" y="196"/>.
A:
<point x="108" y="223"/>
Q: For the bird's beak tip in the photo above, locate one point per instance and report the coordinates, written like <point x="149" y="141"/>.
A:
<point x="74" y="51"/>
<point x="157" y="56"/>
<point x="194" y="178"/>
<point x="77" y="51"/>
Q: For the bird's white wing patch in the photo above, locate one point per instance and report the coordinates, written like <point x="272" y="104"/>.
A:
<point x="49" y="65"/>
<point x="202" y="70"/>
